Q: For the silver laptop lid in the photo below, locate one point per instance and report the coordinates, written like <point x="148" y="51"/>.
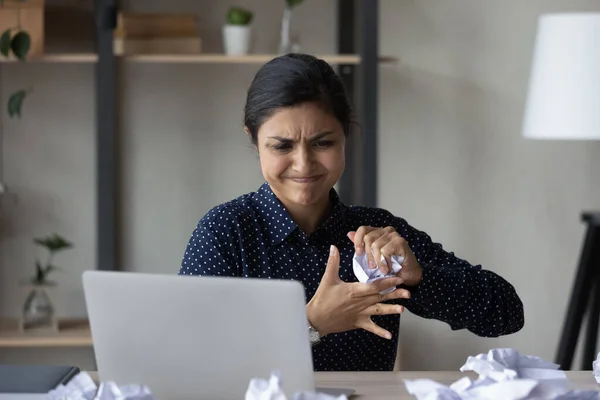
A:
<point x="198" y="337"/>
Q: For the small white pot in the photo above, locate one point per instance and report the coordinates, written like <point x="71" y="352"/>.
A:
<point x="236" y="39"/>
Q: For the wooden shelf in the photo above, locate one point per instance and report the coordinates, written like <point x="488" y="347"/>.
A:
<point x="72" y="333"/>
<point x="248" y="59"/>
<point x="203" y="58"/>
<point x="59" y="58"/>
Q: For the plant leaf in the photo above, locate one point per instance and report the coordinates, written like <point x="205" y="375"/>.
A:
<point x="53" y="242"/>
<point x="294" y="3"/>
<point x="5" y="42"/>
<point x="15" y="103"/>
<point x="239" y="16"/>
<point x="39" y="272"/>
<point x="20" y="45"/>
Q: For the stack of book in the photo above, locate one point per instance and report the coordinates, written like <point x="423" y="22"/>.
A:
<point x="157" y="33"/>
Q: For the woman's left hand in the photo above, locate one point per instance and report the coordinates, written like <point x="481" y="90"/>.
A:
<point x="387" y="242"/>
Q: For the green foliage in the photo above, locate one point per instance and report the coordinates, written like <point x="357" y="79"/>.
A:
<point x="15" y="103"/>
<point x="20" y="45"/>
<point x="294" y="3"/>
<point x="239" y="16"/>
<point x="53" y="243"/>
<point x="5" y="43"/>
<point x="15" y="41"/>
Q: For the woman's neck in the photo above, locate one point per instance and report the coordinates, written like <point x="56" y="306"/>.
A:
<point x="308" y="218"/>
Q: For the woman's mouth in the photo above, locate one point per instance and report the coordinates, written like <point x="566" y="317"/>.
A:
<point x="306" y="179"/>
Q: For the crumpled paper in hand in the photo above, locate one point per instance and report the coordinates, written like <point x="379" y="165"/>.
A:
<point x="263" y="389"/>
<point x="364" y="274"/>
<point x="504" y="374"/>
<point x="83" y="387"/>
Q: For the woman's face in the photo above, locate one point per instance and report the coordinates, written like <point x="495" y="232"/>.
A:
<point x="301" y="152"/>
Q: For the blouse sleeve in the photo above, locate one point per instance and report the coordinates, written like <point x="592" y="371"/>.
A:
<point x="458" y="293"/>
<point x="209" y="252"/>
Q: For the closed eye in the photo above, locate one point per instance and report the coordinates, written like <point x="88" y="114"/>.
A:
<point x="283" y="146"/>
<point x="324" y="143"/>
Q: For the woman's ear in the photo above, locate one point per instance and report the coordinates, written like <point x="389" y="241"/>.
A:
<point x="247" y="131"/>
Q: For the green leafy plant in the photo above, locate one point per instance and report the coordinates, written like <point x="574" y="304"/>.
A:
<point x="294" y="3"/>
<point x="54" y="244"/>
<point x="239" y="16"/>
<point x="15" y="41"/>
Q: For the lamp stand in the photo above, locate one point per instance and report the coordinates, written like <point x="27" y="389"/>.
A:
<point x="585" y="296"/>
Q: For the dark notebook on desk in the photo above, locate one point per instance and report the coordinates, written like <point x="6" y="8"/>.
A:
<point x="34" y="378"/>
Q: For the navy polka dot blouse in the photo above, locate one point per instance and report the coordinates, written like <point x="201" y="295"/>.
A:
<point x="254" y="236"/>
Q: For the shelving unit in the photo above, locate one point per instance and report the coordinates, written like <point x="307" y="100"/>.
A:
<point x="358" y="63"/>
<point x="334" y="59"/>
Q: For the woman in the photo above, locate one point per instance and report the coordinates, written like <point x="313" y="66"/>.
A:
<point x="297" y="116"/>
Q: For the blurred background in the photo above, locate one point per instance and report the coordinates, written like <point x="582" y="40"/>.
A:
<point x="451" y="157"/>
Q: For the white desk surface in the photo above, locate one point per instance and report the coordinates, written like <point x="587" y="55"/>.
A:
<point x="390" y="385"/>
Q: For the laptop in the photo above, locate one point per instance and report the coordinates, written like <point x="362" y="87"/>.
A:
<point x="190" y="337"/>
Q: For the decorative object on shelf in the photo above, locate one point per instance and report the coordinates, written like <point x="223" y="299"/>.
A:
<point x="157" y="33"/>
<point x="237" y="31"/>
<point x="38" y="311"/>
<point x="286" y="45"/>
<point x="22" y="38"/>
<point x="7" y="196"/>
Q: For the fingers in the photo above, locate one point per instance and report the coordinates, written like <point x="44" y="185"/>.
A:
<point x="384" y="309"/>
<point x="373" y="254"/>
<point x="374" y="288"/>
<point x="388" y="246"/>
<point x="332" y="270"/>
<point x="359" y="237"/>
<point x="351" y="235"/>
<point x="396" y="294"/>
<point x="380" y="298"/>
<point x="368" y="325"/>
<point x="376" y="246"/>
<point x="384" y="284"/>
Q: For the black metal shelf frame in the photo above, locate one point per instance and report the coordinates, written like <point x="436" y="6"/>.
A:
<point x="358" y="185"/>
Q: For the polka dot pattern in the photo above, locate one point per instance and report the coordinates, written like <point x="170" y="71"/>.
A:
<point x="254" y="236"/>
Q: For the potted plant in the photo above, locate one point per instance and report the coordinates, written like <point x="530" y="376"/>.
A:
<point x="38" y="311"/>
<point x="285" y="43"/>
<point x="237" y="31"/>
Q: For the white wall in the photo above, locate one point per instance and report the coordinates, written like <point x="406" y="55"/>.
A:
<point x="452" y="160"/>
<point x="454" y="164"/>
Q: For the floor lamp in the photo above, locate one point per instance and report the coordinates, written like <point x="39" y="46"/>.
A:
<point x="564" y="104"/>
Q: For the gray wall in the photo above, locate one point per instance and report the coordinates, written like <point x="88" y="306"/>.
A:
<point x="452" y="160"/>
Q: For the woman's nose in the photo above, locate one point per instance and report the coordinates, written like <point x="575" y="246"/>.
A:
<point x="303" y="159"/>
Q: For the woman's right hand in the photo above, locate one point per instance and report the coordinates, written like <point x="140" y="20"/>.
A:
<point x="339" y="306"/>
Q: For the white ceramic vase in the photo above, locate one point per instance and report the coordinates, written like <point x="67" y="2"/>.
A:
<point x="236" y="39"/>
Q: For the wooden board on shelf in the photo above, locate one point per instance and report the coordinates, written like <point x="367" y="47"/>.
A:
<point x="71" y="333"/>
<point x="86" y="58"/>
<point x="203" y="58"/>
<point x="156" y="25"/>
<point x="247" y="59"/>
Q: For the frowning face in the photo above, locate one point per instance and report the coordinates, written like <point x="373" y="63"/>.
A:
<point x="301" y="151"/>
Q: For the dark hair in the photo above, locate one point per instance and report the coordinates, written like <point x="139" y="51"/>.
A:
<point x="292" y="79"/>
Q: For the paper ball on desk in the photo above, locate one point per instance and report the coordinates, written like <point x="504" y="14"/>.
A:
<point x="596" y="368"/>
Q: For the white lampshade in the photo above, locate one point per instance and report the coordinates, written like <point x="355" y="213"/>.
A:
<point x="564" y="88"/>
